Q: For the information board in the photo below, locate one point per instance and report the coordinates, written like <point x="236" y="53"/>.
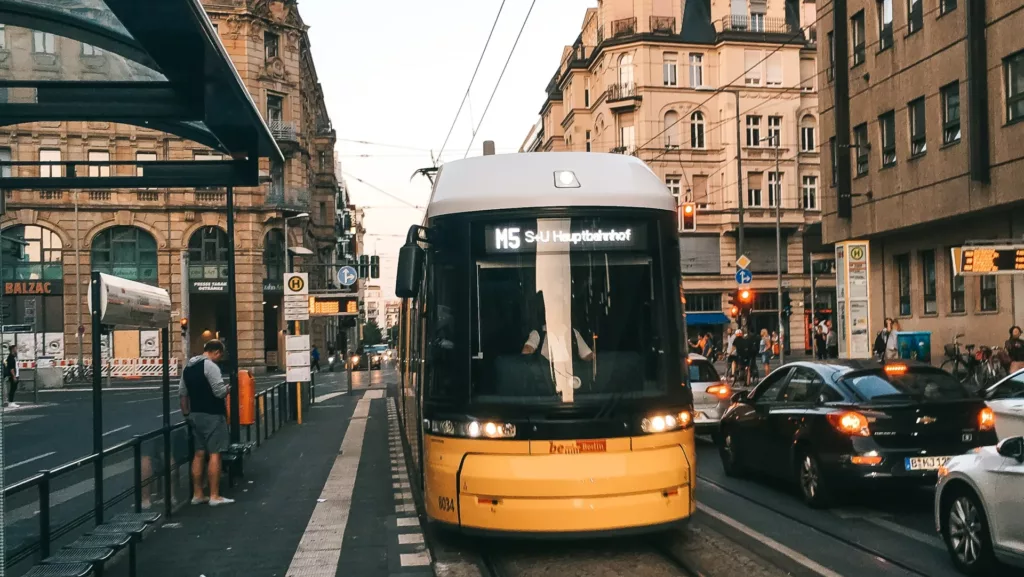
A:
<point x="526" y="237"/>
<point x="979" y="260"/>
<point x="333" y="305"/>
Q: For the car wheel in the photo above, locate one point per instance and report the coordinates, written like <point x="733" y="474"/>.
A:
<point x="730" y="458"/>
<point x="815" y="486"/>
<point x="966" y="534"/>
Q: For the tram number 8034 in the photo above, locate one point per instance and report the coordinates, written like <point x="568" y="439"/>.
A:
<point x="446" y="504"/>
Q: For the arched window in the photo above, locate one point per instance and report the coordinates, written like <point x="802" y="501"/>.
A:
<point x="626" y="69"/>
<point x="697" y="129"/>
<point x="33" y="288"/>
<point x="808" y="138"/>
<point x="273" y="255"/>
<point x="125" y="251"/>
<point x="671" y="128"/>
<point x="32" y="253"/>
<point x="208" y="259"/>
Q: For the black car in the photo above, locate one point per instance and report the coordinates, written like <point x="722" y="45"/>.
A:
<point x="829" y="424"/>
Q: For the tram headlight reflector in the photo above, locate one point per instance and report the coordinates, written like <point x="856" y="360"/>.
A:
<point x="664" y="422"/>
<point x="471" y="429"/>
<point x="566" y="179"/>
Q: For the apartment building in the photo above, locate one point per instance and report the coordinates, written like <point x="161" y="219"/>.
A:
<point x="696" y="88"/>
<point x="173" y="238"/>
<point x="921" y="110"/>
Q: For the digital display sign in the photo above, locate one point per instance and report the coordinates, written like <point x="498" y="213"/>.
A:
<point x="1006" y="259"/>
<point x="554" y="236"/>
<point x="333" y="305"/>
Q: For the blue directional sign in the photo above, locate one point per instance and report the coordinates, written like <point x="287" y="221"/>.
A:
<point x="347" y="276"/>
<point x="744" y="276"/>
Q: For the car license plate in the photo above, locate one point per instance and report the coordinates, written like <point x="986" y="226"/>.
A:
<point x="925" y="463"/>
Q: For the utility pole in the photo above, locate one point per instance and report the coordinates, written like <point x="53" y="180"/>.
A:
<point x="778" y="249"/>
<point x="739" y="174"/>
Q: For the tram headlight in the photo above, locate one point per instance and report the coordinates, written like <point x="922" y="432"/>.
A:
<point x="664" y="422"/>
<point x="470" y="429"/>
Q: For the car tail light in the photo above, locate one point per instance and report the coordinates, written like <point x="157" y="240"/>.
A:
<point x="850" y="423"/>
<point x="721" y="391"/>
<point x="986" y="419"/>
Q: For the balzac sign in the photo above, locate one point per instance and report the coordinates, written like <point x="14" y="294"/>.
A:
<point x="34" y="287"/>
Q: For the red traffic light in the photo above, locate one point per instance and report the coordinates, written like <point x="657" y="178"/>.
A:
<point x="688" y="209"/>
<point x="688" y="217"/>
<point x="745" y="295"/>
<point x="734" y="312"/>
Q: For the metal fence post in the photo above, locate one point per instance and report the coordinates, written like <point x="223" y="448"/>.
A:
<point x="165" y="337"/>
<point x="44" y="515"/>
<point x="137" y="471"/>
<point x="259" y="415"/>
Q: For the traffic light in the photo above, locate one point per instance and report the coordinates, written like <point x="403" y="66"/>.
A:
<point x="787" y="305"/>
<point x="374" y="266"/>
<point x="364" y="266"/>
<point x="688" y="217"/>
<point x="184" y="325"/>
<point x="746" y="297"/>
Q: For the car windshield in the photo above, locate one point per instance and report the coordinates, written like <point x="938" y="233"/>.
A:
<point x="702" y="371"/>
<point x="914" y="384"/>
<point x="1011" y="388"/>
<point x="567" y="310"/>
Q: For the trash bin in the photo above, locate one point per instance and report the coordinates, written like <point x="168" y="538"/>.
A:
<point x="246" y="399"/>
<point x="914" y="345"/>
<point x="48" y="376"/>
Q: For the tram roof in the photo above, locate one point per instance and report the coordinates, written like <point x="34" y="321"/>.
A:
<point x="527" y="180"/>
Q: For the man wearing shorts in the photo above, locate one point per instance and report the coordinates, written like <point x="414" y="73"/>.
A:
<point x="202" y="390"/>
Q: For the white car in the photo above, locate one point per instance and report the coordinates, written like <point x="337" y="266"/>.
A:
<point x="979" y="508"/>
<point x="711" y="395"/>
<point x="1006" y="399"/>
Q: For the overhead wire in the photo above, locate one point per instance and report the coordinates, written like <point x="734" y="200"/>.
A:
<point x="382" y="191"/>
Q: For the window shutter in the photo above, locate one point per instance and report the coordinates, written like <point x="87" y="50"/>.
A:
<point x="775" y="69"/>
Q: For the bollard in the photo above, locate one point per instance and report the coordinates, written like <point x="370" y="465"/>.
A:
<point x="348" y="376"/>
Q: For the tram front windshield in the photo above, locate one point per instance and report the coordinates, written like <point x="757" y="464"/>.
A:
<point x="568" y="310"/>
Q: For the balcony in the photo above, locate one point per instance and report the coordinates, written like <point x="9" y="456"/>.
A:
<point x="663" y="24"/>
<point x="294" y="199"/>
<point x="755" y="26"/>
<point x="284" y="131"/>
<point x="623" y="95"/>
<point x="623" y="27"/>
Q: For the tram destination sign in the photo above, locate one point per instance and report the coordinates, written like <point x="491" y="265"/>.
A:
<point x="532" y="237"/>
<point x="985" y="260"/>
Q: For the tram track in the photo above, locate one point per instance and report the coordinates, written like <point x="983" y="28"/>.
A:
<point x="632" y="558"/>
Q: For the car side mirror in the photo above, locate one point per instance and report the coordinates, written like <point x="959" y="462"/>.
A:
<point x="739" y="397"/>
<point x="1012" y="448"/>
<point x="410" y="271"/>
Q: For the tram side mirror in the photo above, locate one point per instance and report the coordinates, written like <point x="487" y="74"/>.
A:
<point x="1012" y="448"/>
<point x="410" y="271"/>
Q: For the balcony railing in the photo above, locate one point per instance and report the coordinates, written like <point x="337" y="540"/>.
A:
<point x="296" y="199"/>
<point x="755" y="24"/>
<point x="621" y="91"/>
<point x="623" y="27"/>
<point x="284" y="130"/>
<point x="663" y="24"/>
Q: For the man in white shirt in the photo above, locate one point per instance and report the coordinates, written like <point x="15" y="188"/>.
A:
<point x="534" y="340"/>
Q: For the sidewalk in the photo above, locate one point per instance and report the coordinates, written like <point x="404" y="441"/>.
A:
<point x="318" y="499"/>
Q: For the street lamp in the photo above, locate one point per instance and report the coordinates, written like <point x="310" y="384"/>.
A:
<point x="287" y="256"/>
<point x="774" y="140"/>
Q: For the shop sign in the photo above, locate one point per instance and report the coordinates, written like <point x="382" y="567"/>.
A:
<point x="33" y="287"/>
<point x="209" y="286"/>
<point x="272" y="286"/>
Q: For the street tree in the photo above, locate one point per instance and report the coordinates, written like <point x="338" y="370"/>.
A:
<point x="371" y="334"/>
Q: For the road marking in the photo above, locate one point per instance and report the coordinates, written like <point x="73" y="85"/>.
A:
<point x="111" y="432"/>
<point x="105" y="390"/>
<point x="320" y="546"/>
<point x="779" y="547"/>
<point x="146" y="400"/>
<point x="907" y="532"/>
<point x="68" y="493"/>
<point x="330" y="396"/>
<point x="160" y="415"/>
<point x="27" y="461"/>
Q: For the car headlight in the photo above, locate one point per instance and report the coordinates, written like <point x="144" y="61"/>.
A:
<point x="355" y="359"/>
<point x="664" y="422"/>
<point x="470" y="429"/>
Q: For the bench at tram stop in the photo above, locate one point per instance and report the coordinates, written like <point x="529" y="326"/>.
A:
<point x="92" y="552"/>
<point x="233" y="459"/>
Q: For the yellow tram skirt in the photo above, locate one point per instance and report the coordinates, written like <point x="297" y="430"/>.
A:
<point x="548" y="487"/>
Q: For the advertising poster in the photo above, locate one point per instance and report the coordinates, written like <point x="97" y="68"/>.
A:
<point x="54" y="345"/>
<point x="149" y="344"/>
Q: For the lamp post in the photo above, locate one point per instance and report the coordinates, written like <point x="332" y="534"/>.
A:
<point x="774" y="141"/>
<point x="287" y="255"/>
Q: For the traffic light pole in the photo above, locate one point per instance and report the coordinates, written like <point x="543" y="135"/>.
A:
<point x="778" y="252"/>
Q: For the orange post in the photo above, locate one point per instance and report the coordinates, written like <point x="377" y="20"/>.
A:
<point x="246" y="398"/>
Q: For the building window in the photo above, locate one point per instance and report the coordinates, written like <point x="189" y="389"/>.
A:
<point x="774" y="188"/>
<point x="126" y="251"/>
<point x="586" y="92"/>
<point x="775" y="130"/>
<point x="273" y="255"/>
<point x="143" y="157"/>
<point x="807" y="134"/>
<point x="957" y="292"/>
<point x="50" y="170"/>
<point x="208" y="254"/>
<point x="810" y="190"/>
<point x="627" y="138"/>
<point x="946" y="6"/>
<point x="99" y="169"/>
<point x="884" y="24"/>
<point x="3" y="38"/>
<point x="90" y="50"/>
<point x="1014" y="66"/>
<point x="753" y="131"/>
<point x="860" y="142"/>
<point x="706" y="302"/>
<point x="41" y="258"/>
<point x="989" y="298"/>
<point x="903" y="276"/>
<point x="752" y="65"/>
<point x="626" y="70"/>
<point x="700" y="191"/>
<point x="275" y="108"/>
<point x="697" y="129"/>
<point x="830" y="72"/>
<point x="672" y="182"/>
<point x="757" y="22"/>
<point x="669" y="70"/>
<point x="588" y="140"/>
<point x="670" y="129"/>
<point x="834" y="159"/>
<point x="928" y="281"/>
<point x="887" y="127"/>
<point x="43" y="43"/>
<point x="807" y="74"/>
<point x="774" y="77"/>
<point x="915" y="16"/>
<point x="857" y="36"/>
<point x="951" y="113"/>
<point x="5" y="156"/>
<point x="270" y="44"/>
<point x="696" y="70"/>
<point x="754" y="183"/>
<point x="918" y="140"/>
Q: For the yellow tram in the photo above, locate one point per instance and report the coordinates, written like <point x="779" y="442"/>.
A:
<point x="541" y="348"/>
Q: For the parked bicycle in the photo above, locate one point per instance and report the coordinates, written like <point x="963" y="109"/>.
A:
<point x="974" y="367"/>
<point x="77" y="373"/>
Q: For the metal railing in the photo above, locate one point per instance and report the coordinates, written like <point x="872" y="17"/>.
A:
<point x="623" y="27"/>
<point x="41" y="510"/>
<point x="756" y="24"/>
<point x="621" y="91"/>
<point x="663" y="24"/>
<point x="294" y="198"/>
<point x="284" y="130"/>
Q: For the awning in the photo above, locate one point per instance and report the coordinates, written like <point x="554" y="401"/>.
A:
<point x="707" y="319"/>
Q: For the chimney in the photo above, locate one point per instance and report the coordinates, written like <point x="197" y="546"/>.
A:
<point x="488" y="148"/>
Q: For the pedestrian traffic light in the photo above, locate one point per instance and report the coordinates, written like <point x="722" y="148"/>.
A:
<point x="688" y="217"/>
<point x="184" y="325"/>
<point x="364" y="266"/>
<point x="374" y="266"/>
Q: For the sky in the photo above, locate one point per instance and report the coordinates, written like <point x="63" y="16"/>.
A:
<point x="394" y="73"/>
